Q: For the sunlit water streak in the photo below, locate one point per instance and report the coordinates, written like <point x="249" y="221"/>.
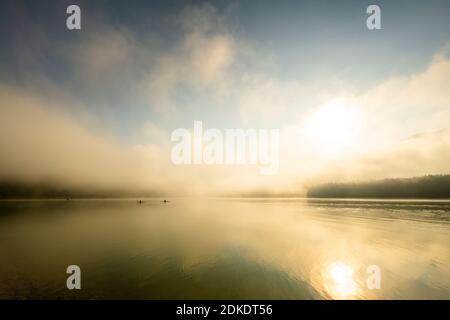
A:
<point x="225" y="248"/>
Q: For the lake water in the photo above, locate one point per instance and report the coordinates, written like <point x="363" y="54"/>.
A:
<point x="226" y="249"/>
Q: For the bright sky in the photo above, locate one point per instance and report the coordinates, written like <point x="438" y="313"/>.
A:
<point x="140" y="69"/>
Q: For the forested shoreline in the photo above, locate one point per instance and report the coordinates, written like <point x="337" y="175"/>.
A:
<point x="427" y="187"/>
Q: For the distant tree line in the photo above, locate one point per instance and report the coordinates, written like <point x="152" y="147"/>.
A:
<point x="428" y="187"/>
<point x="50" y="190"/>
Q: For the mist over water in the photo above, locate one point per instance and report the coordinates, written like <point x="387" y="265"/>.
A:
<point x="225" y="248"/>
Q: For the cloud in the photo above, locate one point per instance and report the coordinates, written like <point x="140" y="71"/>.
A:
<point x="419" y="102"/>
<point x="201" y="60"/>
<point x="428" y="153"/>
<point x="205" y="66"/>
<point x="404" y="132"/>
<point x="104" y="53"/>
<point x="40" y="142"/>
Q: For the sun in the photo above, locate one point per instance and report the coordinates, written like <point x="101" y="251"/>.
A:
<point x="332" y="127"/>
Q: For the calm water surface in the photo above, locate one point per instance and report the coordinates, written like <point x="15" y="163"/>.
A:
<point x="225" y="249"/>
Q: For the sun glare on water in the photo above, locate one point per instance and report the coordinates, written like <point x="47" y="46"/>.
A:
<point x="339" y="282"/>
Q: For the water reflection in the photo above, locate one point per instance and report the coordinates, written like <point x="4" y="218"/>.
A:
<point x="225" y="248"/>
<point x="338" y="281"/>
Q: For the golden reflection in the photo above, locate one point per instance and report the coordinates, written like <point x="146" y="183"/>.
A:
<point x="339" y="282"/>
